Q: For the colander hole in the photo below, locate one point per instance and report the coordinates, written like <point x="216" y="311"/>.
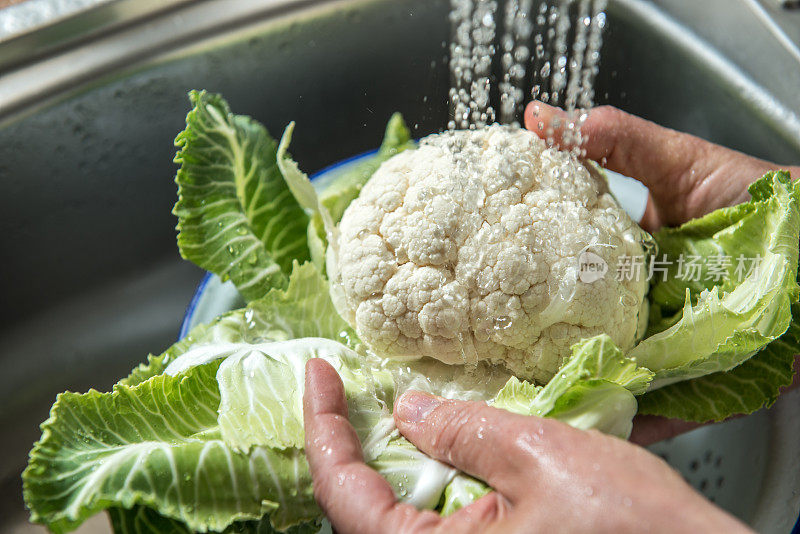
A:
<point x="704" y="484"/>
<point x="707" y="457"/>
<point x="718" y="462"/>
<point x="720" y="481"/>
<point x="694" y="466"/>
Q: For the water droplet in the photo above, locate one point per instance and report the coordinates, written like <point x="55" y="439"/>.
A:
<point x="565" y="47"/>
<point x="502" y="323"/>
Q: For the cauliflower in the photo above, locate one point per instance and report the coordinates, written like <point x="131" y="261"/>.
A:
<point x="470" y="248"/>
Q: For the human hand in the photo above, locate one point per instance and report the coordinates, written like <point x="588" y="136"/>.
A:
<point x="687" y="176"/>
<point x="546" y="476"/>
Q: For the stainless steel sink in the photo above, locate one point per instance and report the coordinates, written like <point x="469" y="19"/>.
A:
<point x="91" y="277"/>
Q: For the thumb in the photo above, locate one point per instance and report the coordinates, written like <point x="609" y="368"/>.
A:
<point x="687" y="176"/>
<point x="498" y="447"/>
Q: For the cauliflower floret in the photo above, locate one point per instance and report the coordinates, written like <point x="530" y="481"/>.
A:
<point x="469" y="248"/>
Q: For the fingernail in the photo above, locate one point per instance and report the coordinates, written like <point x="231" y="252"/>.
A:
<point x="414" y="407"/>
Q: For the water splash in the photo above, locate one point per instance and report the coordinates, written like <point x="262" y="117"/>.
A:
<point x="549" y="50"/>
<point x="505" y="51"/>
<point x="472" y="51"/>
<point x="515" y="58"/>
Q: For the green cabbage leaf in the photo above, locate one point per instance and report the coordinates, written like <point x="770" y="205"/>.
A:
<point x="208" y="436"/>
<point x="723" y="350"/>
<point x="236" y="215"/>
<point x="595" y="388"/>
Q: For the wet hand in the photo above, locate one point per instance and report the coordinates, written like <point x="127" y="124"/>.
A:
<point x="546" y="476"/>
<point x="687" y="176"/>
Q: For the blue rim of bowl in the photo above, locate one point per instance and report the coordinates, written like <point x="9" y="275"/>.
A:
<point x="186" y="323"/>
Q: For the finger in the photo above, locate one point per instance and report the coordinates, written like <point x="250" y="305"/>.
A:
<point x="650" y="221"/>
<point x="490" y="510"/>
<point x="629" y="145"/>
<point x="649" y="429"/>
<point x="355" y="498"/>
<point x="687" y="176"/>
<point x="496" y="446"/>
<point x="624" y="143"/>
<point x="552" y="124"/>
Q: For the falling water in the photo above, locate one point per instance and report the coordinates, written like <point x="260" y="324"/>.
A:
<point x="516" y="53"/>
<point x="472" y="50"/>
<point x="550" y="50"/>
<point x="547" y="50"/>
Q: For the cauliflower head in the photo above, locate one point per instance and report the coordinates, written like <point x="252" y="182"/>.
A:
<point x="471" y="247"/>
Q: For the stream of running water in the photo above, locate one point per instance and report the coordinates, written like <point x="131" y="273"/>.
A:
<point x="545" y="50"/>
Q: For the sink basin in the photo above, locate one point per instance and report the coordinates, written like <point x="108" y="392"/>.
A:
<point x="92" y="280"/>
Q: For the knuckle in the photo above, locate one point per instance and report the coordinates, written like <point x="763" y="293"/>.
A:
<point x="605" y="118"/>
<point x="454" y="426"/>
<point x="535" y="436"/>
<point x="322" y="484"/>
<point x="420" y="522"/>
<point x="328" y="485"/>
<point x="605" y="113"/>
